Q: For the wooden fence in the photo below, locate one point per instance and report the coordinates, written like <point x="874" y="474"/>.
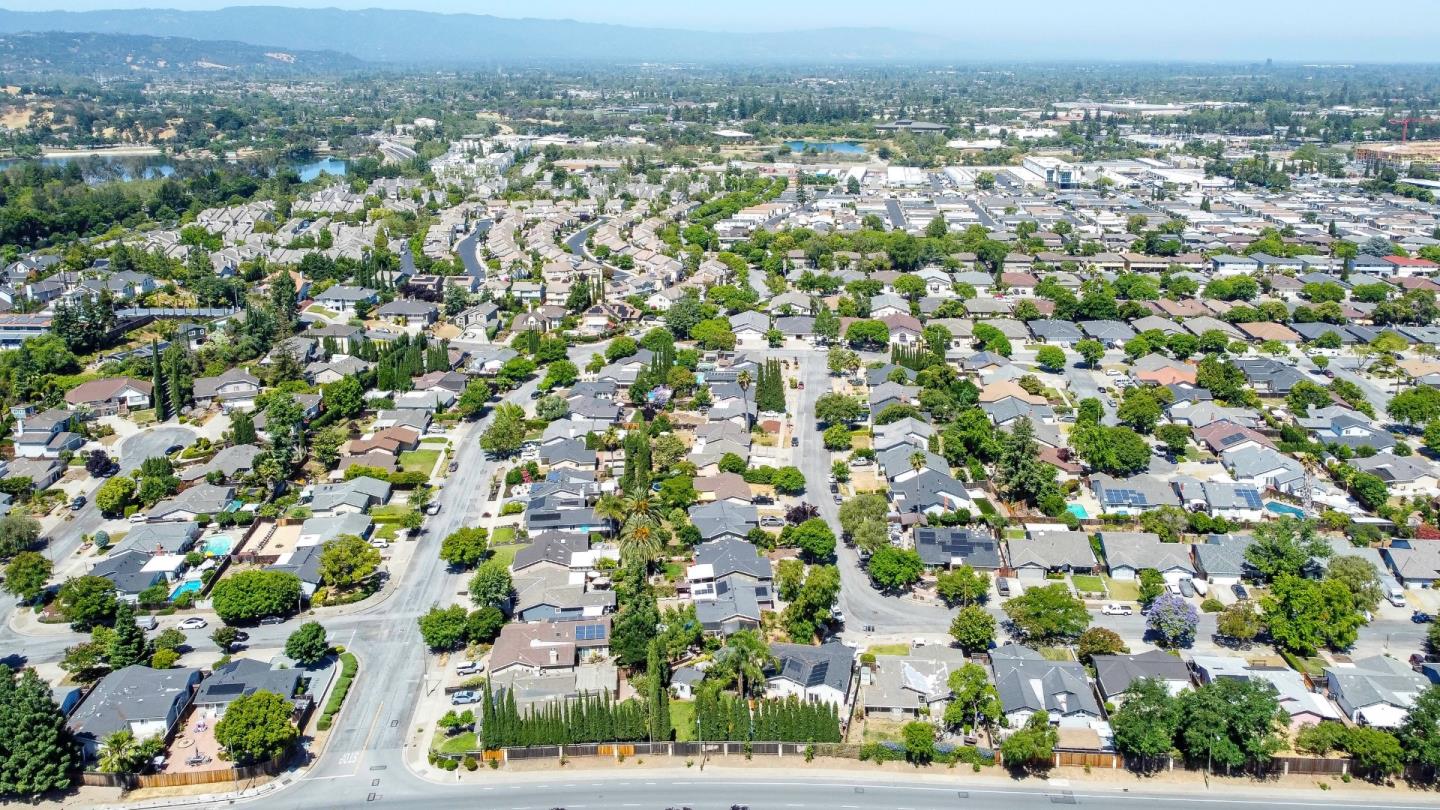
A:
<point x="130" y="781"/>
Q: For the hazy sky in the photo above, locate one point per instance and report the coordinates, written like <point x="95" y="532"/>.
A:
<point x="1186" y="30"/>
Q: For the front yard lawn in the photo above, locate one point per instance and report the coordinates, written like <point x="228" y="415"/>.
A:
<point x="421" y="461"/>
<point x="1057" y="653"/>
<point x="889" y="649"/>
<point x="390" y="513"/>
<point x="463" y="743"/>
<point x="1125" y="590"/>
<point x="1088" y="583"/>
<point x="503" y="535"/>
<point x="505" y="554"/>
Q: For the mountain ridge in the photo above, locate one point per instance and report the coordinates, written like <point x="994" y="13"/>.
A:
<point x="423" y="37"/>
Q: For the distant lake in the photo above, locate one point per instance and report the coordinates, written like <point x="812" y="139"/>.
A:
<point x="105" y="168"/>
<point x="315" y="168"/>
<point x="841" y="147"/>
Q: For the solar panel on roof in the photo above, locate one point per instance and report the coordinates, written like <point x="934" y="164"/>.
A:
<point x="590" y="632"/>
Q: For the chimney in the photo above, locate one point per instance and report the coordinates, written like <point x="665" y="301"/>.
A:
<point x="554" y="656"/>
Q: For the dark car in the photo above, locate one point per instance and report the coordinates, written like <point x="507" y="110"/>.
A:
<point x="173" y="449"/>
<point x="536" y="394"/>
<point x="794" y="441"/>
<point x="273" y="620"/>
<point x="1421" y="617"/>
<point x="1239" y="591"/>
<point x="78" y="503"/>
<point x="454" y="465"/>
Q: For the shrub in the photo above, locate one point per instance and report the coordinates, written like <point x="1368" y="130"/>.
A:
<point x="470" y="763"/>
<point x="1212" y="605"/>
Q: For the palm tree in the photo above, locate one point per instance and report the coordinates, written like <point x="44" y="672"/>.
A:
<point x="745" y="657"/>
<point x="640" y="505"/>
<point x="117" y="751"/>
<point x="917" y="460"/>
<point x="638" y="541"/>
<point x="743" y="379"/>
<point x="612" y="508"/>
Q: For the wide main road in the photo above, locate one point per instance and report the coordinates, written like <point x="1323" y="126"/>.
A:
<point x="762" y="789"/>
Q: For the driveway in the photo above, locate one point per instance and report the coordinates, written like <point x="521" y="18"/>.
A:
<point x="153" y="442"/>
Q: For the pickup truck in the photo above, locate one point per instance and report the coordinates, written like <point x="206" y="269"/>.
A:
<point x="1117" y="609"/>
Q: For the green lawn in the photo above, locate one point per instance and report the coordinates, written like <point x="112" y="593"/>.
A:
<point x="1057" y="653"/>
<point x="503" y="535"/>
<point x="462" y="743"/>
<point x="505" y="554"/>
<point x="682" y="719"/>
<point x="386" y="531"/>
<point x="318" y="310"/>
<point x="985" y="507"/>
<point x="889" y="649"/>
<point x="440" y="440"/>
<point x="1125" y="590"/>
<point x="421" y="461"/>
<point x="391" y="513"/>
<point x="1088" y="583"/>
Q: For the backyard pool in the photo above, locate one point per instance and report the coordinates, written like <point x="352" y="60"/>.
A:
<point x="188" y="586"/>
<point x="1285" y="509"/>
<point x="219" y="545"/>
<point x="1078" y="510"/>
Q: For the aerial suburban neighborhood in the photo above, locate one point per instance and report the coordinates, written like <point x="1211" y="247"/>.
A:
<point x="381" y="435"/>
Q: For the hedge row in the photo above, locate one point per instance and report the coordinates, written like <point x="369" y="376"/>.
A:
<point x="348" y="668"/>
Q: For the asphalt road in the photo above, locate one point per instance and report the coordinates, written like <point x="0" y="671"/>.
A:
<point x="151" y="443"/>
<point x="578" y="790"/>
<point x="576" y="241"/>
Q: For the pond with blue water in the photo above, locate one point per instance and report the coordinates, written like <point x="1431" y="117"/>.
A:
<point x="836" y="147"/>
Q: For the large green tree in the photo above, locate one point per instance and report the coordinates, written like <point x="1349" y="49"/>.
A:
<point x="1146" y="723"/>
<point x="308" y="644"/>
<point x="256" y="727"/>
<point x="37" y="754"/>
<point x="346" y="561"/>
<point x="1046" y="613"/>
<point x="255" y="594"/>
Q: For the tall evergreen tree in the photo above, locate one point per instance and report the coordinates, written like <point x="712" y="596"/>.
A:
<point x="128" y="646"/>
<point x="37" y="754"/>
<point x="157" y="382"/>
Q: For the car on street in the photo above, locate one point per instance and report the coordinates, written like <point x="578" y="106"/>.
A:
<point x="794" y="441"/>
<point x="380" y="543"/>
<point x="838" y="499"/>
<point x="464" y="697"/>
<point x="432" y="508"/>
<point x="1113" y="372"/>
<point x="193" y="623"/>
<point x="78" y="503"/>
<point x="1239" y="591"/>
<point x="173" y="449"/>
<point x="1421" y="617"/>
<point x="273" y="620"/>
<point x="1117" y="609"/>
<point x="454" y="465"/>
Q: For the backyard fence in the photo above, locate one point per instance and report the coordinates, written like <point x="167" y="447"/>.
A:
<point x="131" y="781"/>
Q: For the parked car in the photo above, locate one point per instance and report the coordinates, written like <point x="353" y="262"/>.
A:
<point x="1117" y="609"/>
<point x="1239" y="591"/>
<point x="536" y="394"/>
<point x="77" y="504"/>
<point x="1187" y="588"/>
<point x="147" y="622"/>
<point x="794" y="441"/>
<point x="468" y="668"/>
<point x="1113" y="372"/>
<point x="1421" y="617"/>
<point x="380" y="543"/>
<point x="193" y="623"/>
<point x="838" y="499"/>
<point x="273" y="620"/>
<point x="1002" y="586"/>
<point x="837" y="615"/>
<point x="771" y="520"/>
<point x="464" y="697"/>
<point x="454" y="465"/>
<point x="432" y="508"/>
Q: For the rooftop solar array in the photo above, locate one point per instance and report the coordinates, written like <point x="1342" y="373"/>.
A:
<point x="590" y="632"/>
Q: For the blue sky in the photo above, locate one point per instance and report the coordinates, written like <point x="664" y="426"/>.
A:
<point x="1200" y="30"/>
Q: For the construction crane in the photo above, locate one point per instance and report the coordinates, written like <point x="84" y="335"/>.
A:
<point x="1406" y="122"/>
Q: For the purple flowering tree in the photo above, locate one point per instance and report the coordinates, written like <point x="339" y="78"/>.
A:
<point x="1173" y="619"/>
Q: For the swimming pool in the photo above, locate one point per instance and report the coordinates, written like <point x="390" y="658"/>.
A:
<point x="1078" y="510"/>
<point x="188" y="586"/>
<point x="1285" y="509"/>
<point x="219" y="545"/>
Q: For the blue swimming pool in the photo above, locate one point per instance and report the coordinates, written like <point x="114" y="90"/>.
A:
<point x="1284" y="509"/>
<point x="219" y="545"/>
<point x="188" y="586"/>
<point x="1078" y="510"/>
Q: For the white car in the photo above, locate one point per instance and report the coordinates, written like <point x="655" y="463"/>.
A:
<point x="381" y="544"/>
<point x="1113" y="372"/>
<point x="193" y="623"/>
<point x="1117" y="609"/>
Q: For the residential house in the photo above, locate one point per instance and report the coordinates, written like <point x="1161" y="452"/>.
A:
<point x="143" y="701"/>
<point x="1047" y="552"/>
<point x="1415" y="563"/>
<point x="549" y="647"/>
<point x="110" y="395"/>
<point x="235" y="389"/>
<point x="242" y="677"/>
<point x="905" y="686"/>
<point x="43" y="434"/>
<point x="1293" y="693"/>
<point x="1115" y="674"/>
<point x="358" y="494"/>
<point x="1028" y="683"/>
<point x="1376" y="691"/>
<point x="1129" y="553"/>
<point x="817" y="674"/>
<point x="947" y="548"/>
<point x="723" y="519"/>
<point x="202" y="499"/>
<point x="1131" y="496"/>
